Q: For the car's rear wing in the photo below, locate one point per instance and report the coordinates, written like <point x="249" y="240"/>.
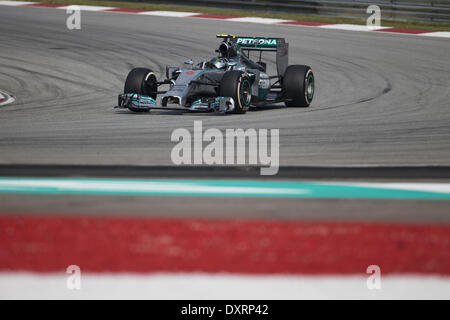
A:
<point x="263" y="44"/>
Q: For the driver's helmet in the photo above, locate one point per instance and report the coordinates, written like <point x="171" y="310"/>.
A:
<point x="218" y="63"/>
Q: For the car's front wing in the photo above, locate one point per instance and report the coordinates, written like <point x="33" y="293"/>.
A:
<point x="141" y="102"/>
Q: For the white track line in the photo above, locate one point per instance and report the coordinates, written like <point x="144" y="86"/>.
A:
<point x="257" y="20"/>
<point x="351" y="27"/>
<point x="440" y="34"/>
<point x="169" y="13"/>
<point x="122" y="186"/>
<point x="6" y="98"/>
<point x="15" y="285"/>
<point x="427" y="187"/>
<point x="15" y="3"/>
<point x="89" y="8"/>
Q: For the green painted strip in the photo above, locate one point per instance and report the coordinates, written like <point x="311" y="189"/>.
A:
<point x="210" y="188"/>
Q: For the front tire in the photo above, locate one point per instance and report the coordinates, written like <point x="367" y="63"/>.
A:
<point x="141" y="81"/>
<point x="298" y="86"/>
<point x="236" y="84"/>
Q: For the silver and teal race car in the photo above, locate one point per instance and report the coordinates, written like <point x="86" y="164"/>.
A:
<point x="228" y="83"/>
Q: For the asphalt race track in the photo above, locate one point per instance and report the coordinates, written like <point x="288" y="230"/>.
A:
<point x="363" y="179"/>
<point x="381" y="99"/>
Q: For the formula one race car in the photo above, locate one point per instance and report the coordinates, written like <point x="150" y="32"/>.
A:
<point x="230" y="82"/>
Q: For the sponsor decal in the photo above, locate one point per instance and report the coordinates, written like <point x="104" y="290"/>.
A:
<point x="257" y="42"/>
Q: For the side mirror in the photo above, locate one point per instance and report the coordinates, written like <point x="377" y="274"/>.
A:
<point x="171" y="71"/>
<point x="189" y="62"/>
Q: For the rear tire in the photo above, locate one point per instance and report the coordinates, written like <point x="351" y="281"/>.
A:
<point x="298" y="86"/>
<point x="141" y="81"/>
<point x="236" y="84"/>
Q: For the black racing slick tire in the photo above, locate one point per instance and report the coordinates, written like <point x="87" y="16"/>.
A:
<point x="237" y="85"/>
<point x="141" y="81"/>
<point x="298" y="86"/>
